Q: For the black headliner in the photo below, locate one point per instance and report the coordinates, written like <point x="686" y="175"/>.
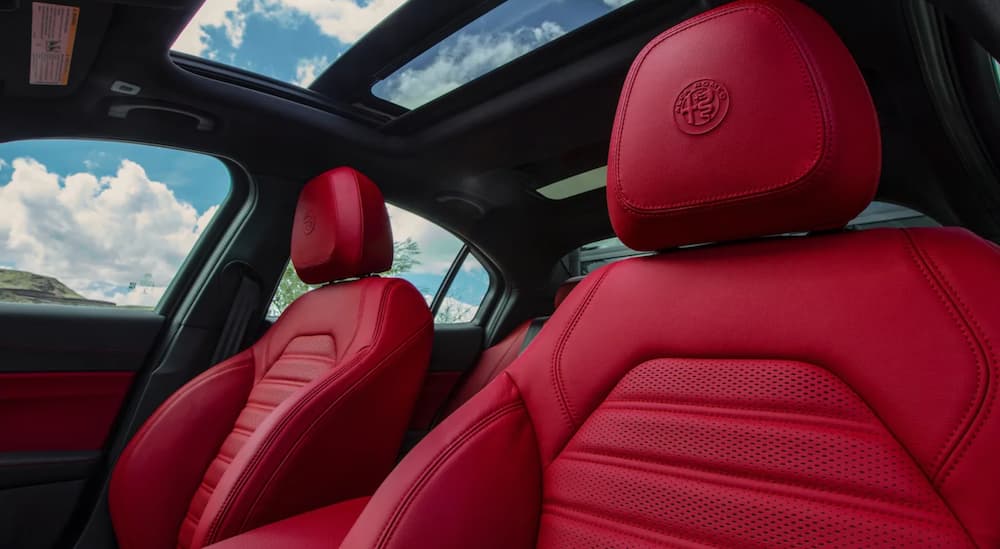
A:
<point x="470" y="160"/>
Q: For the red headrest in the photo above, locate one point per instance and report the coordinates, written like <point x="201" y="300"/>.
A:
<point x="341" y="228"/>
<point x="751" y="119"/>
<point x="564" y="290"/>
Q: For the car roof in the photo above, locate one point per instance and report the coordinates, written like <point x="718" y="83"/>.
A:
<point x="473" y="159"/>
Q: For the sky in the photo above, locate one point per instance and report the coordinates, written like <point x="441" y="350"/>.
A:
<point x="100" y="215"/>
<point x="296" y="40"/>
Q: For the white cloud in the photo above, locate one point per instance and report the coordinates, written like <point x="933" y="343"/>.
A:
<point x="467" y="58"/>
<point x="615" y="4"/>
<point x="227" y="14"/>
<point x="438" y="247"/>
<point x="97" y="235"/>
<point x="308" y="69"/>
<point x="3" y="163"/>
<point x="345" y="20"/>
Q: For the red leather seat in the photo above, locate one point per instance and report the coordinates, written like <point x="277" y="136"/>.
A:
<point x="311" y="414"/>
<point x="834" y="390"/>
<point x="498" y="357"/>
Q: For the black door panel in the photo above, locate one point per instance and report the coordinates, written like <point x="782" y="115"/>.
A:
<point x="64" y="374"/>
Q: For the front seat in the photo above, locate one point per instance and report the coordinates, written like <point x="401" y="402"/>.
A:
<point x="831" y="390"/>
<point x="311" y="414"/>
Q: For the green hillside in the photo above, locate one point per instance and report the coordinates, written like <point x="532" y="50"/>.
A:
<point x="25" y="287"/>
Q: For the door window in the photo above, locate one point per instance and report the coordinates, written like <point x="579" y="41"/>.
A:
<point x="99" y="223"/>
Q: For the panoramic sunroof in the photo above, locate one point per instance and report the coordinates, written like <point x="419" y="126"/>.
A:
<point x="503" y="34"/>
<point x="292" y="41"/>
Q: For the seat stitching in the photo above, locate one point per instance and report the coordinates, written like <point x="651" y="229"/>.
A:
<point x="948" y="445"/>
<point x="985" y="347"/>
<point x="820" y="108"/>
<point x="555" y="369"/>
<point x="410" y="340"/>
<point x="566" y="511"/>
<point x="655" y="465"/>
<point x="385" y="536"/>
<point x="720" y="482"/>
<point x="693" y="408"/>
<point x="268" y="441"/>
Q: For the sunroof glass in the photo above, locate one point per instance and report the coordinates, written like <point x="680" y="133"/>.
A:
<point x="577" y="184"/>
<point x="503" y="34"/>
<point x="292" y="41"/>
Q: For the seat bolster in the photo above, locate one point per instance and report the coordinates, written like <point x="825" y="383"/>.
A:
<point x="967" y="269"/>
<point x="169" y="455"/>
<point x="319" y="529"/>
<point x="475" y="473"/>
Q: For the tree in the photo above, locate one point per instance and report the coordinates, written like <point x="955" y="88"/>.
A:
<point x="404" y="257"/>
<point x="290" y="287"/>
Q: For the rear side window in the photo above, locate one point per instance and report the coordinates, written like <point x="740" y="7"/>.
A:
<point x="98" y="223"/>
<point x="453" y="282"/>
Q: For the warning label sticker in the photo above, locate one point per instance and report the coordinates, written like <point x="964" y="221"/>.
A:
<point x="53" y="32"/>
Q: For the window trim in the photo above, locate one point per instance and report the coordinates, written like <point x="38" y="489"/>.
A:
<point x="213" y="239"/>
<point x="452" y="273"/>
<point x="449" y="277"/>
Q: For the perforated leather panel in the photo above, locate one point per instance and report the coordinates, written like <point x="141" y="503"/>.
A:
<point x="304" y="359"/>
<point x="747" y="453"/>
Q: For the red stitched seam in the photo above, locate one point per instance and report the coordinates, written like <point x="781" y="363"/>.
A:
<point x="949" y="444"/>
<point x="776" y="479"/>
<point x="788" y="419"/>
<point x="555" y="370"/>
<point x="767" y="491"/>
<point x="986" y="350"/>
<point x="405" y="345"/>
<point x="269" y="439"/>
<point x="553" y="508"/>
<point x="385" y="536"/>
<point x="822" y="147"/>
<point x="678" y="404"/>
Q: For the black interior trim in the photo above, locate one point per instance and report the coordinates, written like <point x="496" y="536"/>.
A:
<point x="449" y="277"/>
<point x="67" y="338"/>
<point x="933" y="51"/>
<point x="31" y="468"/>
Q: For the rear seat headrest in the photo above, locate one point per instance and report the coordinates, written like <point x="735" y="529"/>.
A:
<point x="751" y="119"/>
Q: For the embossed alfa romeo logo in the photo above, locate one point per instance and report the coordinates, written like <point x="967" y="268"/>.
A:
<point x="309" y="223"/>
<point x="701" y="106"/>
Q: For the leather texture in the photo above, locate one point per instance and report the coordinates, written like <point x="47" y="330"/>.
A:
<point x="797" y="144"/>
<point x="564" y="289"/>
<point x="313" y="413"/>
<point x="498" y="357"/>
<point x="59" y="411"/>
<point x="434" y="393"/>
<point x="854" y="397"/>
<point x="320" y="529"/>
<point x="824" y="390"/>
<point x="493" y="361"/>
<point x="341" y="228"/>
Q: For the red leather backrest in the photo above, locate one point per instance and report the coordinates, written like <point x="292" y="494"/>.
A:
<point x="341" y="228"/>
<point x="749" y="120"/>
<point x="564" y="289"/>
